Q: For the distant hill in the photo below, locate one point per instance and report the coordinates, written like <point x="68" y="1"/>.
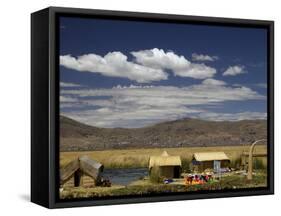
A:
<point x="76" y="136"/>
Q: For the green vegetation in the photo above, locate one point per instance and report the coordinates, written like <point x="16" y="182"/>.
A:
<point x="235" y="163"/>
<point x="259" y="163"/>
<point x="154" y="175"/>
<point x="185" y="164"/>
<point x="145" y="187"/>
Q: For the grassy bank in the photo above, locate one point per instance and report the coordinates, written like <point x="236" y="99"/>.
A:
<point x="143" y="187"/>
<point x="132" y="158"/>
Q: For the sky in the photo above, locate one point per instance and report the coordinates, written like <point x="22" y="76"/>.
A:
<point x="131" y="74"/>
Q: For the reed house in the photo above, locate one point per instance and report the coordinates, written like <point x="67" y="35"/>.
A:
<point x="209" y="160"/>
<point x="165" y="165"/>
<point x="82" y="171"/>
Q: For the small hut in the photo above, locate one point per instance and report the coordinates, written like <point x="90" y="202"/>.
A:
<point x="166" y="165"/>
<point x="74" y="171"/>
<point x="209" y="160"/>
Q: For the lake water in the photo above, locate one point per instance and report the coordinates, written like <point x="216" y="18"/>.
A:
<point x="124" y="176"/>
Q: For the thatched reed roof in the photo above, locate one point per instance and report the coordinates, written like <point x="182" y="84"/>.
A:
<point x="210" y="156"/>
<point x="87" y="165"/>
<point x="164" y="160"/>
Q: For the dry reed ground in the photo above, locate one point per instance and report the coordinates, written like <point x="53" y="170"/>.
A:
<point x="132" y="158"/>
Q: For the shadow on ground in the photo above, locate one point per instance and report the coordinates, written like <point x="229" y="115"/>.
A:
<point x="25" y="197"/>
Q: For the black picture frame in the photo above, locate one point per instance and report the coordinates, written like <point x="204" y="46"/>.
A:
<point x="45" y="104"/>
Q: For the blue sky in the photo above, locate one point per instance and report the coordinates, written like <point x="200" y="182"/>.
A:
<point x="134" y="74"/>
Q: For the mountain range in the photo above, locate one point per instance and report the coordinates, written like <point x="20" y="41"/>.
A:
<point x="188" y="132"/>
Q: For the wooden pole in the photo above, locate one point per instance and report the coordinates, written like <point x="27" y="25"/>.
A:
<point x="250" y="160"/>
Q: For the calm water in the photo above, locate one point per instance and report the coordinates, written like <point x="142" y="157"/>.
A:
<point x="124" y="176"/>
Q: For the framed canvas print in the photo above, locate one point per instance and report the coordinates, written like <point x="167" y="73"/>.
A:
<point x="139" y="107"/>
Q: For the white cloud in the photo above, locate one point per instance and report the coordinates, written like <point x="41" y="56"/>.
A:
<point x="261" y="85"/>
<point x="196" y="71"/>
<point x="137" y="106"/>
<point x="65" y="99"/>
<point x="113" y="64"/>
<point x="65" y="84"/>
<point x="234" y="70"/>
<point x="158" y="58"/>
<point x="233" y="116"/>
<point x="133" y="86"/>
<point x="129" y="117"/>
<point x="201" y="57"/>
<point x="179" y="65"/>
<point x="213" y="82"/>
<point x="171" y="96"/>
<point x="149" y="65"/>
